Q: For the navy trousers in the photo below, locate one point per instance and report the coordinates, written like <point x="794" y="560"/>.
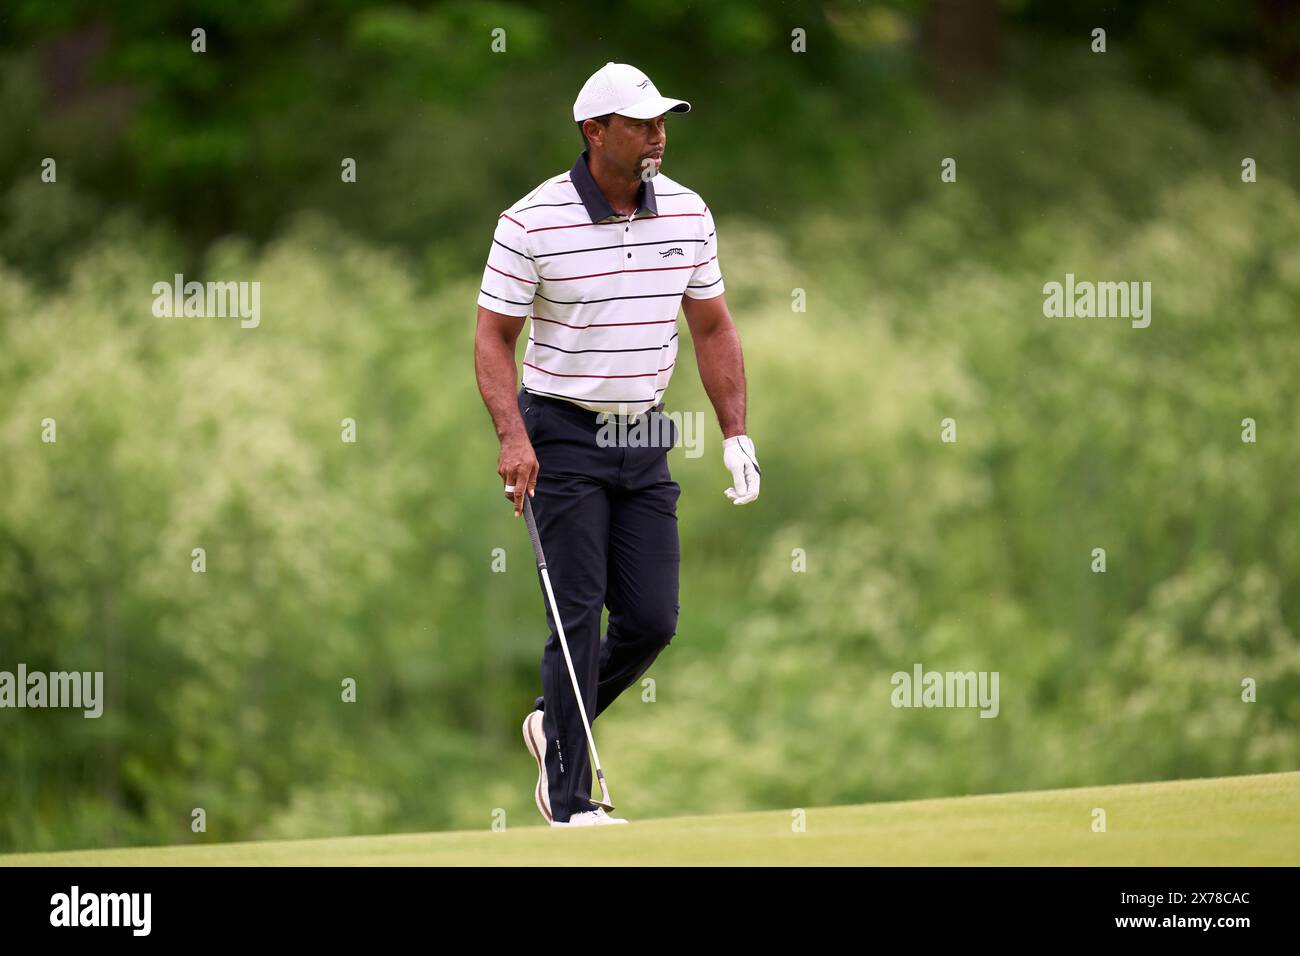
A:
<point x="607" y="518"/>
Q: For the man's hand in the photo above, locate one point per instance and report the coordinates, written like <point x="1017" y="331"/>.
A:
<point x="518" y="467"/>
<point x="738" y="455"/>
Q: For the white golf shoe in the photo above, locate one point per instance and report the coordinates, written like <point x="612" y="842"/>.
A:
<point x="535" y="737"/>
<point x="589" y="818"/>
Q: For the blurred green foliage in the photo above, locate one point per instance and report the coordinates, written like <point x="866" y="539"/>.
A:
<point x="328" y="560"/>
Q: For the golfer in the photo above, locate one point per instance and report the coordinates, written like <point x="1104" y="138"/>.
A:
<point x="599" y="258"/>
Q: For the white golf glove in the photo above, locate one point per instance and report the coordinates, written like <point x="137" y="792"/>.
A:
<point x="738" y="455"/>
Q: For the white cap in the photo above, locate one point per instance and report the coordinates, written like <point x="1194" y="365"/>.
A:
<point x="623" y="89"/>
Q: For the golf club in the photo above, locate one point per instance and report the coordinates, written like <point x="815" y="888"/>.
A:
<point x="564" y="645"/>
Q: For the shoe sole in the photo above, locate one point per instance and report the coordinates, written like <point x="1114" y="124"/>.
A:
<point x="535" y="750"/>
<point x="606" y="823"/>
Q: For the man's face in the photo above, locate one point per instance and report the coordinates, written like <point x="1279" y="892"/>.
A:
<point x="628" y="143"/>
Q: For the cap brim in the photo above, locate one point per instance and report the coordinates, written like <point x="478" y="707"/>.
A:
<point x="653" y="106"/>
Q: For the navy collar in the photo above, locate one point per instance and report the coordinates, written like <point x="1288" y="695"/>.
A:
<point x="598" y="207"/>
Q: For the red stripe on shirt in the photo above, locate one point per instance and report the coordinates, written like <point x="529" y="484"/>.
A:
<point x="572" y="375"/>
<point x="597" y="275"/>
<point x="579" y="225"/>
<point x="600" y="325"/>
<point x="510" y="274"/>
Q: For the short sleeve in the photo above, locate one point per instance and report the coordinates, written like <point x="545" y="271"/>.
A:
<point x="510" y="276"/>
<point x="706" y="280"/>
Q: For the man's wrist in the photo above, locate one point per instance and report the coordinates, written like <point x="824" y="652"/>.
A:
<point x="512" y="432"/>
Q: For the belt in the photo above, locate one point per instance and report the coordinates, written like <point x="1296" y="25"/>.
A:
<point x="574" y="406"/>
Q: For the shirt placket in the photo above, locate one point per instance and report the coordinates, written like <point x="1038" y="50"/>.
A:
<point x="627" y="254"/>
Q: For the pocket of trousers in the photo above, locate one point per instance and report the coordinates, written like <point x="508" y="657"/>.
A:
<point x="532" y="416"/>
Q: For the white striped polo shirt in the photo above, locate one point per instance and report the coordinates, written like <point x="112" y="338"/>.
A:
<point x="602" y="289"/>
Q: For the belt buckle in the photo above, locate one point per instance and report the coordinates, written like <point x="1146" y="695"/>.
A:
<point x="633" y="417"/>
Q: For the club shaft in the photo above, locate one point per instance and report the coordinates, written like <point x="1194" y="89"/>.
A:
<point x="531" y="522"/>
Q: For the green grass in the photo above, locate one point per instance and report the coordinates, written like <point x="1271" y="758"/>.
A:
<point x="1249" y="820"/>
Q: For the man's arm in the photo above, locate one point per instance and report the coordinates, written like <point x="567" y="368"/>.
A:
<point x="718" y="355"/>
<point x="494" y="366"/>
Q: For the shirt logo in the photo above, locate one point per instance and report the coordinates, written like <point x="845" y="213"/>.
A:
<point x="674" y="251"/>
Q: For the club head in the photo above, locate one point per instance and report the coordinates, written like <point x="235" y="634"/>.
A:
<point x="604" y="792"/>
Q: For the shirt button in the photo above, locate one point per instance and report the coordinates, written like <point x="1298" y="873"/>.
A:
<point x="629" y="255"/>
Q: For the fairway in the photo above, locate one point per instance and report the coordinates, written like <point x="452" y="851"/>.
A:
<point x="1248" y="820"/>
